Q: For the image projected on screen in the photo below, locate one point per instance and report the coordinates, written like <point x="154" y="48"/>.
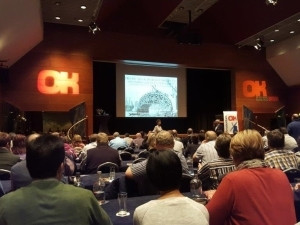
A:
<point x="150" y="96"/>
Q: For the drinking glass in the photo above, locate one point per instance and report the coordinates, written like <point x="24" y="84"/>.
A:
<point x="122" y="199"/>
<point x="77" y="180"/>
<point x="112" y="173"/>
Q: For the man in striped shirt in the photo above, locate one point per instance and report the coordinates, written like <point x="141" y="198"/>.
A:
<point x="277" y="156"/>
<point x="211" y="171"/>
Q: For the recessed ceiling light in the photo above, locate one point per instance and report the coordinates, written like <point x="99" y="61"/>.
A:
<point x="83" y="7"/>
<point x="291" y="32"/>
<point x="272" y="40"/>
<point x="57" y="3"/>
<point x="277" y="30"/>
<point x="57" y="18"/>
<point x="298" y="20"/>
<point x="80" y="20"/>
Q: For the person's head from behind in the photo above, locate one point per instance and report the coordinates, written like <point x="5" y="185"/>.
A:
<point x="19" y="144"/>
<point x="138" y="135"/>
<point x="164" y="170"/>
<point x="275" y="139"/>
<point x="164" y="140"/>
<point x="4" y="139"/>
<point x="102" y="139"/>
<point x="210" y="135"/>
<point x="222" y="145"/>
<point x="246" y="145"/>
<point x="116" y="134"/>
<point x="93" y="137"/>
<point x="195" y="139"/>
<point x="189" y="131"/>
<point x="45" y="157"/>
<point x="295" y="116"/>
<point x="151" y="141"/>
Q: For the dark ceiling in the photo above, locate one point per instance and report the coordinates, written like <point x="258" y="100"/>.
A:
<point x="226" y="21"/>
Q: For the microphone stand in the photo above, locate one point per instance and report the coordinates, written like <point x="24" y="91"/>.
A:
<point x="265" y="129"/>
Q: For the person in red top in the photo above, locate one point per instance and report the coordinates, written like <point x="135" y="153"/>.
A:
<point x="254" y="194"/>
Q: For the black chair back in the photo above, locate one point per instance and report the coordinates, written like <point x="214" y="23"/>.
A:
<point x="291" y="174"/>
<point x="185" y="183"/>
<point x="125" y="156"/>
<point x="138" y="160"/>
<point x="144" y="154"/>
<point x="105" y="167"/>
<point x="4" y="174"/>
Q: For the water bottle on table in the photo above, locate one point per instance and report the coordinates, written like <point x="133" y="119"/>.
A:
<point x="98" y="189"/>
<point x="196" y="190"/>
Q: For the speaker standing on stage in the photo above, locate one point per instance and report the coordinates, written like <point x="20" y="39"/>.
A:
<point x="158" y="127"/>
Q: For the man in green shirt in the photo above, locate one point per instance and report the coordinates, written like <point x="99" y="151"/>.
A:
<point x="47" y="200"/>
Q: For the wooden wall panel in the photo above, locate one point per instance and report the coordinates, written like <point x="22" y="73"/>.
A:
<point x="72" y="49"/>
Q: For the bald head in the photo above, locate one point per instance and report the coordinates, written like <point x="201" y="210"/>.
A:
<point x="164" y="140"/>
<point x="32" y="137"/>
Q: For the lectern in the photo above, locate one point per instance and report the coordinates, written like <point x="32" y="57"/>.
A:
<point x="102" y="122"/>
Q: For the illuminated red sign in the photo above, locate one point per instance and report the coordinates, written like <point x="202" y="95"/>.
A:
<point x="54" y="82"/>
<point x="254" y="88"/>
<point x="257" y="89"/>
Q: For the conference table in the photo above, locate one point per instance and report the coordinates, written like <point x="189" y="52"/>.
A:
<point x="112" y="206"/>
<point x="118" y="185"/>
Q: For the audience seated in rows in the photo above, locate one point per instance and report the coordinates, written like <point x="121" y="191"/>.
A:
<point x="175" y="135"/>
<point x="164" y="171"/>
<point x="20" y="176"/>
<point x="47" y="200"/>
<point x="164" y="141"/>
<point x="19" y="145"/>
<point x="101" y="154"/>
<point x="254" y="193"/>
<point x="192" y="146"/>
<point x="117" y="142"/>
<point x="178" y="145"/>
<point x="77" y="144"/>
<point x="128" y="139"/>
<point x="289" y="142"/>
<point x="7" y="158"/>
<point x="293" y="128"/>
<point x="92" y="144"/>
<point x="145" y="144"/>
<point x="137" y="141"/>
<point x="211" y="171"/>
<point x="277" y="156"/>
<point x="206" y="151"/>
<point x="187" y="140"/>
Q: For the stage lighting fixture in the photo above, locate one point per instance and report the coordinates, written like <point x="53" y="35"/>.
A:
<point x="272" y="2"/>
<point x="93" y="27"/>
<point x="260" y="43"/>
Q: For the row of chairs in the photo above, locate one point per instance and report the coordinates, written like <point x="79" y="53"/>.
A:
<point x="105" y="167"/>
<point x="125" y="155"/>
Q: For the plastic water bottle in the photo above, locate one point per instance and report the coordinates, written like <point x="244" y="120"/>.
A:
<point x="189" y="162"/>
<point x="99" y="189"/>
<point x="196" y="187"/>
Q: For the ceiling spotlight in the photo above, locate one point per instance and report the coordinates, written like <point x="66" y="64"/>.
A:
<point x="272" y="2"/>
<point x="93" y="27"/>
<point x="258" y="46"/>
